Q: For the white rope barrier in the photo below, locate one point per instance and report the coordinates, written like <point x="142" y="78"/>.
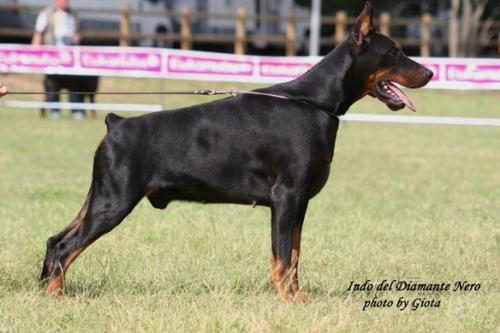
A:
<point x="83" y="106"/>
<point x="361" y="117"/>
<point x="467" y="121"/>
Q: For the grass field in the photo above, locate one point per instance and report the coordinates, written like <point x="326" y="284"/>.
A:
<point x="407" y="202"/>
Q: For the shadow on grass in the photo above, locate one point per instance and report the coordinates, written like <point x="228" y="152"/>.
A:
<point x="17" y="284"/>
<point x="24" y="278"/>
<point x="86" y="290"/>
<point x="94" y="288"/>
<point x="99" y="288"/>
<point x="318" y="292"/>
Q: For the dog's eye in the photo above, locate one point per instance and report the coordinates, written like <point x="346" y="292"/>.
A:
<point x="391" y="57"/>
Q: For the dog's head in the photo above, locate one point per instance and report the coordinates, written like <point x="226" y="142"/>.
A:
<point x="379" y="62"/>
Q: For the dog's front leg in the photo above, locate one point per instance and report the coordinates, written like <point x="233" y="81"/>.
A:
<point x="294" y="291"/>
<point x="287" y="212"/>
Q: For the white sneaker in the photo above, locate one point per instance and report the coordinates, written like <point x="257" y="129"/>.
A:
<point x="55" y="115"/>
<point x="78" y="116"/>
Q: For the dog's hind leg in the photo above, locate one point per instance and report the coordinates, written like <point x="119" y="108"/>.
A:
<point x="52" y="241"/>
<point x="287" y="212"/>
<point x="106" y="210"/>
<point x="113" y="195"/>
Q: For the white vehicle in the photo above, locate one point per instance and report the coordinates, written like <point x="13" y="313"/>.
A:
<point x="150" y="24"/>
<point x="109" y="22"/>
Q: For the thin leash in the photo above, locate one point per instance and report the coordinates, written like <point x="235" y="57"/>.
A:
<point x="205" y="92"/>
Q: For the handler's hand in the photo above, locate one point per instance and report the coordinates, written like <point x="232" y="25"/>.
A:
<point x="3" y="90"/>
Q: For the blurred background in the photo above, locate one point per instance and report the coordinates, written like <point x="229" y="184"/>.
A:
<point x="456" y="28"/>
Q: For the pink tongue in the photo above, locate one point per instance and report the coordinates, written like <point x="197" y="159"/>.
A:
<point x="402" y="97"/>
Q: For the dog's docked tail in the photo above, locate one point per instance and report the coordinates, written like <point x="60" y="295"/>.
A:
<point x="111" y="120"/>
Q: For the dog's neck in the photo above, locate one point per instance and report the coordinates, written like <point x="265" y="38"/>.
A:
<point x="324" y="84"/>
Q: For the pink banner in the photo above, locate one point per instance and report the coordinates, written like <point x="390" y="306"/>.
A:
<point x="473" y="73"/>
<point x="190" y="64"/>
<point x="280" y="68"/>
<point x="28" y="59"/>
<point x="459" y="73"/>
<point x="121" y="61"/>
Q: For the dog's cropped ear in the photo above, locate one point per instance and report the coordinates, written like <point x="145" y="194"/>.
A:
<point x="363" y="28"/>
<point x="112" y="119"/>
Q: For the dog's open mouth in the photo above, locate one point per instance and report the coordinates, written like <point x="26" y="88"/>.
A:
<point x="392" y="96"/>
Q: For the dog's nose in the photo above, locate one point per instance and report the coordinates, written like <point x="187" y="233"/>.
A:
<point x="428" y="74"/>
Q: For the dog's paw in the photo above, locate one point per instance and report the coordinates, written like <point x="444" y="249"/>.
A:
<point x="301" y="297"/>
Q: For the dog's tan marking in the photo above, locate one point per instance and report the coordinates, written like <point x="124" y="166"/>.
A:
<point x="279" y="276"/>
<point x="294" y="280"/>
<point x="294" y="291"/>
<point x="56" y="285"/>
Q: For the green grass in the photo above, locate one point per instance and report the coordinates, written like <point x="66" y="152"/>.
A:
<point x="413" y="202"/>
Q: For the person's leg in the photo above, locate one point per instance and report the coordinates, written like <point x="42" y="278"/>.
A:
<point x="52" y="87"/>
<point x="77" y="114"/>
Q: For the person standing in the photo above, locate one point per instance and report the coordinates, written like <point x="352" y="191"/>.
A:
<point x="57" y="25"/>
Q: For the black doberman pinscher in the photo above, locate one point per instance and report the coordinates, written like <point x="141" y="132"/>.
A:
<point x="247" y="149"/>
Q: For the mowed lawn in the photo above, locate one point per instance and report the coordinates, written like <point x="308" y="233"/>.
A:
<point x="404" y="202"/>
